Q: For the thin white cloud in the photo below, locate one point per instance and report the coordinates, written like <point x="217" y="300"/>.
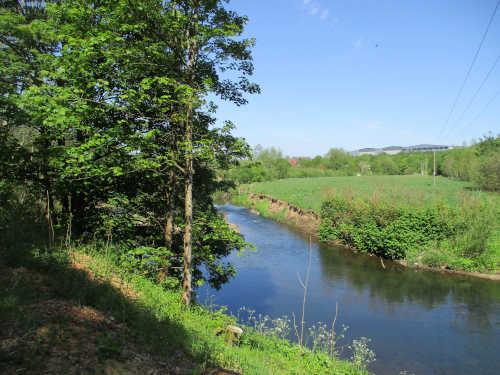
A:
<point x="315" y="9"/>
<point x="372" y="126"/>
<point x="358" y="43"/>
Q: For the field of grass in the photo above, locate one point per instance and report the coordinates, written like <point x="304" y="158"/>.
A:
<point x="446" y="225"/>
<point x="309" y="193"/>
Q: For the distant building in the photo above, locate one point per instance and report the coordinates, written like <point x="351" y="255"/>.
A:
<point x="426" y="148"/>
<point x="368" y="151"/>
<point x="393" y="150"/>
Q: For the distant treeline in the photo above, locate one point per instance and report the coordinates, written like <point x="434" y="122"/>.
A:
<point x="478" y="163"/>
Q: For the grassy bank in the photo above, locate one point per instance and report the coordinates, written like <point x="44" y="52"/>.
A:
<point x="408" y="218"/>
<point x="75" y="311"/>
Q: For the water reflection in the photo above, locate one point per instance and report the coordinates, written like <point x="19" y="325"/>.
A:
<point x="475" y="300"/>
<point x="421" y="321"/>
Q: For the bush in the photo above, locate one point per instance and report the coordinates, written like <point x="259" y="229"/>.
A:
<point x="454" y="236"/>
<point x="383" y="230"/>
<point x="150" y="262"/>
<point x="488" y="177"/>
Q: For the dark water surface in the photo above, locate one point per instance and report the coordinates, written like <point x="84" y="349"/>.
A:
<point x="420" y="321"/>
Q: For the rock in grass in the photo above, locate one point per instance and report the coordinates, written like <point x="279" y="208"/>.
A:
<point x="231" y="334"/>
<point x="237" y="331"/>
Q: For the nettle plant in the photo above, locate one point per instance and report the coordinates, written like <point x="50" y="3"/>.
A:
<point x="151" y="262"/>
<point x="391" y="231"/>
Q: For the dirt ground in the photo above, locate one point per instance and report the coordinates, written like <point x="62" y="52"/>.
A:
<point x="58" y="336"/>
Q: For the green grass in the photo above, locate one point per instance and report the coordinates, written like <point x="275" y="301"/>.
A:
<point x="386" y="215"/>
<point x="309" y="193"/>
<point x="155" y="318"/>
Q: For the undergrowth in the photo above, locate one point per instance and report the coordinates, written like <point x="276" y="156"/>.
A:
<point x="459" y="237"/>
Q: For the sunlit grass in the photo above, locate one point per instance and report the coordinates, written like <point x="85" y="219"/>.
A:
<point x="309" y="193"/>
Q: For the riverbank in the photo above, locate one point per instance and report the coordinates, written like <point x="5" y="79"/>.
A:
<point x="406" y="313"/>
<point x="433" y="255"/>
<point x="76" y="311"/>
<point x="305" y="221"/>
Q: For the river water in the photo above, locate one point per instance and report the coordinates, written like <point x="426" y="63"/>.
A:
<point x="420" y="321"/>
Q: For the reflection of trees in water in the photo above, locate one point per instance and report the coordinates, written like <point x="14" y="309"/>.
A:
<point x="474" y="300"/>
<point x="480" y="299"/>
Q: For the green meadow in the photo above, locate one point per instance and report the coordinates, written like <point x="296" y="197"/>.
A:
<point x="440" y="223"/>
<point x="309" y="193"/>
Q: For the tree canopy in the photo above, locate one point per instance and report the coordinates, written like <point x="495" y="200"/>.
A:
<point x="105" y="120"/>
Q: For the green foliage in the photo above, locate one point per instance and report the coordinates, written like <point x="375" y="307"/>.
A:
<point x="477" y="163"/>
<point x="456" y="237"/>
<point x="215" y="239"/>
<point x="460" y="164"/>
<point x="94" y="102"/>
<point x="146" y="261"/>
<point x="248" y="172"/>
<point x="488" y="153"/>
<point x="387" y="231"/>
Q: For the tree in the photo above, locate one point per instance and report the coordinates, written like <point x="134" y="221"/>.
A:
<point x="27" y="143"/>
<point x="338" y="159"/>
<point x="488" y="154"/>
<point x="206" y="46"/>
<point x="113" y="94"/>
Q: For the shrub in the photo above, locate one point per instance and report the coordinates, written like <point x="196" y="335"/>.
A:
<point x="151" y="262"/>
<point x="458" y="236"/>
<point x="379" y="229"/>
<point x="488" y="177"/>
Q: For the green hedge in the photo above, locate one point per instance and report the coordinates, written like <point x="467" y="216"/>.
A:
<point x="399" y="231"/>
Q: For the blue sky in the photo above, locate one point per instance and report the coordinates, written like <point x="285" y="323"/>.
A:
<point x="352" y="73"/>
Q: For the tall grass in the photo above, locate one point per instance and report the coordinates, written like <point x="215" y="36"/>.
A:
<point x="309" y="193"/>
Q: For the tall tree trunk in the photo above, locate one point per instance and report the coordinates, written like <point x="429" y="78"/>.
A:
<point x="188" y="209"/>
<point x="192" y="55"/>
<point x="48" y="219"/>
<point x="69" y="223"/>
<point x="170" y="199"/>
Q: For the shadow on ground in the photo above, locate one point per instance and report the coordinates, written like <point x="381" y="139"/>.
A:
<point x="58" y="319"/>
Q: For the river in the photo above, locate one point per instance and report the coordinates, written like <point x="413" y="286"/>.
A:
<point x="420" y="321"/>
